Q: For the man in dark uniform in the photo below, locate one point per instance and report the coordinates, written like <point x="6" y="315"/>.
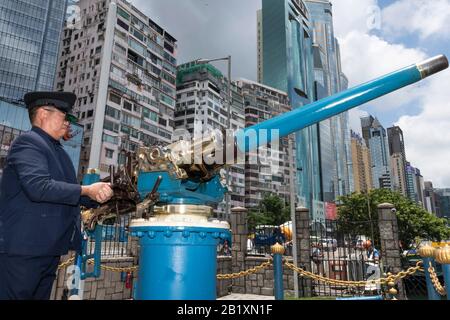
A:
<point x="39" y="201"/>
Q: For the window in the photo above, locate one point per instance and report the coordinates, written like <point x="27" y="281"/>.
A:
<point x="111" y="126"/>
<point x="115" y="98"/>
<point x="110" y="139"/>
<point x="123" y="24"/>
<point x="127" y="105"/>
<point x="112" y="112"/>
<point x="109" y="153"/>
<point x="162" y="122"/>
<point x="123" y="13"/>
<point x="90" y="113"/>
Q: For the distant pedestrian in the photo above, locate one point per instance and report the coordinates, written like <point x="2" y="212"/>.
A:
<point x="226" y="250"/>
<point x="317" y="258"/>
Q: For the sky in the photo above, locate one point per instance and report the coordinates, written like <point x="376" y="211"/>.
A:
<point x="376" y="37"/>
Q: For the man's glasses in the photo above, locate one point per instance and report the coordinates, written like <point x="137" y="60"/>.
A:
<point x="68" y="117"/>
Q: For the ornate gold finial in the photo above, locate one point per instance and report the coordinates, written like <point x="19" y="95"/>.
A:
<point x="427" y="251"/>
<point x="392" y="291"/>
<point x="277" y="249"/>
<point x="442" y="255"/>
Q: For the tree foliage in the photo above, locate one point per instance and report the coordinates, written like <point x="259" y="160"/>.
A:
<point x="271" y="211"/>
<point x="414" y="222"/>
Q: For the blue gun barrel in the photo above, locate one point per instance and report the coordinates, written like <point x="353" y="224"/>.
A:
<point x="323" y="109"/>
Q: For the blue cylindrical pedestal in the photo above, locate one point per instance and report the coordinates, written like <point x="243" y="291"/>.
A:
<point x="177" y="263"/>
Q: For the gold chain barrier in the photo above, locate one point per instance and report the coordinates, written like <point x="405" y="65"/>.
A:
<point x="91" y="261"/>
<point x="435" y="280"/>
<point x="134" y="268"/>
<point x="392" y="278"/>
<point x="246" y="272"/>
<point x="388" y="280"/>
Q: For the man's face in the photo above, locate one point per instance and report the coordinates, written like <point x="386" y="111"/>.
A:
<point x="54" y="122"/>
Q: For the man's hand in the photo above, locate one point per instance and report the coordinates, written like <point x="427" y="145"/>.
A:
<point x="100" y="192"/>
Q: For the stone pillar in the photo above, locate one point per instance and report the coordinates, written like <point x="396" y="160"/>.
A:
<point x="302" y="222"/>
<point x="390" y="252"/>
<point x="239" y="246"/>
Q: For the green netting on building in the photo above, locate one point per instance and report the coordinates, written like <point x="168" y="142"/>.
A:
<point x="192" y="67"/>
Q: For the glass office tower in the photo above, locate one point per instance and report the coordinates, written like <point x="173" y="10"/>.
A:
<point x="29" y="41"/>
<point x="288" y="66"/>
<point x="334" y="133"/>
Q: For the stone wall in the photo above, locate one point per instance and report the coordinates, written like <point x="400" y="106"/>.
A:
<point x="262" y="282"/>
<point x="109" y="286"/>
<point x="223" y="267"/>
<point x="390" y="249"/>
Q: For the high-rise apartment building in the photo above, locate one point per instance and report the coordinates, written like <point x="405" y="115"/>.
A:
<point x="269" y="173"/>
<point x="202" y="104"/>
<point x="398" y="174"/>
<point x="362" y="166"/>
<point x="122" y="66"/>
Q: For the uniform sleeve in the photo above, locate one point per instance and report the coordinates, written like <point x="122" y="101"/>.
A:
<point x="31" y="166"/>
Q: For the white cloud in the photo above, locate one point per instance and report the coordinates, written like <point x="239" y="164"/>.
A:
<point x="427" y="136"/>
<point x="422" y="17"/>
<point x="351" y="15"/>
<point x="366" y="56"/>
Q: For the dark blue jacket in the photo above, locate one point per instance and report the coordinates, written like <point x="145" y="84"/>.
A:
<point x="39" y="198"/>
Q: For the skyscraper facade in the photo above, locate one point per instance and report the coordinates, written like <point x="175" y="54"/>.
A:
<point x="398" y="160"/>
<point x="122" y="66"/>
<point x="376" y="138"/>
<point x="288" y="66"/>
<point x="430" y="198"/>
<point x="417" y="188"/>
<point x="29" y="44"/>
<point x="443" y="202"/>
<point x="334" y="133"/>
<point x="259" y="34"/>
